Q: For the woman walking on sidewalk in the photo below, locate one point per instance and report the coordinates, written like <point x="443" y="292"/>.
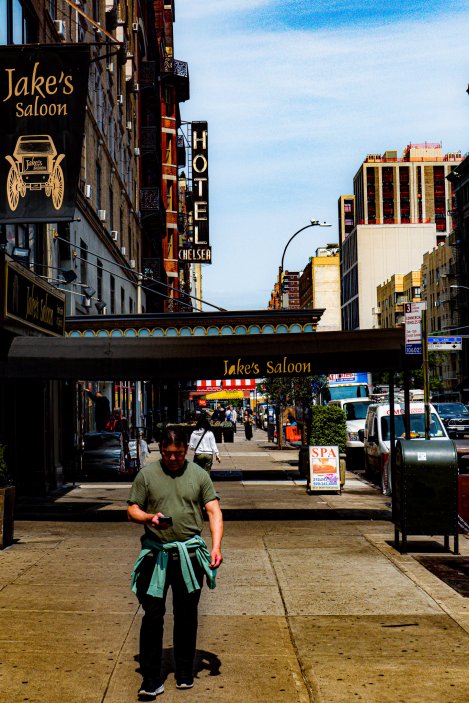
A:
<point x="203" y="443"/>
<point x="248" y="423"/>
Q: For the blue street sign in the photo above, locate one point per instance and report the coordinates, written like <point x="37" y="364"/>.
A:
<point x="413" y="348"/>
<point x="444" y="343"/>
<point x="445" y="340"/>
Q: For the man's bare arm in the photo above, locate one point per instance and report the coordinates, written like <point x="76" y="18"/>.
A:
<point x="136" y="514"/>
<point x="215" y="520"/>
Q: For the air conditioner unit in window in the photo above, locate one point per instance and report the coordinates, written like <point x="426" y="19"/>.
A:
<point x="135" y="26"/>
<point x="97" y="31"/>
<point x="132" y="263"/>
<point x="114" y="234"/>
<point x="120" y="99"/>
<point x="88" y="190"/>
<point x="110" y="68"/>
<point x="123" y="250"/>
<point x="102" y="215"/>
<point x="136" y="88"/>
<point x="60" y="28"/>
<point x="129" y="126"/>
<point x="137" y="151"/>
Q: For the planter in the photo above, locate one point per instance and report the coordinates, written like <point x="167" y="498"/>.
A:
<point x="217" y="432"/>
<point x="228" y="434"/>
<point x="7" y="505"/>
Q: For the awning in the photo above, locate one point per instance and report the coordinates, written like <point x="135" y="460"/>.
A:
<point x="246" y="356"/>
<point x="223" y="395"/>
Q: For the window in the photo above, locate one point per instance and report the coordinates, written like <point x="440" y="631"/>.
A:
<point x="111" y="209"/>
<point x="98" y="186"/>
<point x="18" y="24"/>
<point x="122" y="300"/>
<point x="169" y="193"/>
<point x="168" y="148"/>
<point x="99" y="273"/>
<point x="113" y="294"/>
<point x="83" y="261"/>
<point x="131" y="305"/>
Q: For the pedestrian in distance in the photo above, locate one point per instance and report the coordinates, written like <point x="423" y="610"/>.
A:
<point x="118" y="423"/>
<point x="102" y="408"/>
<point x="234" y="417"/>
<point x="248" y="423"/>
<point x="202" y="441"/>
<point x="218" y="414"/>
<point x="167" y="498"/>
<point x="143" y="449"/>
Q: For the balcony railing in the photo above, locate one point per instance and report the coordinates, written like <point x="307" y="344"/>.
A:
<point x="179" y="71"/>
<point x="150" y="200"/>
<point x="149" y="139"/>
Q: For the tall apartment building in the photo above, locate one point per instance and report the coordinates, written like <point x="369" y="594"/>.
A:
<point x="287" y="295"/>
<point x="319" y="286"/>
<point x="400" y="213"/>
<point x="409" y="190"/>
<point x="346" y="207"/>
<point x="116" y="252"/>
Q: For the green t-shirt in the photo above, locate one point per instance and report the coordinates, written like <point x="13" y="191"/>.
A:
<point x="180" y="495"/>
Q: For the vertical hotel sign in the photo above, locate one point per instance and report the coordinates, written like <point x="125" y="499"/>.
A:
<point x="201" y="250"/>
<point x="43" y="91"/>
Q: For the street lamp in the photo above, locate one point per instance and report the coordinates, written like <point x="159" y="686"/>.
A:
<point x="455" y="285"/>
<point x="313" y="223"/>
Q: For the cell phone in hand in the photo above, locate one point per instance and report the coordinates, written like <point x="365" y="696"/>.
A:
<point x="165" y="520"/>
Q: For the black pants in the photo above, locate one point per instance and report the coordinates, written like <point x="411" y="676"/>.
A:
<point x="185" y="607"/>
<point x="248" y="430"/>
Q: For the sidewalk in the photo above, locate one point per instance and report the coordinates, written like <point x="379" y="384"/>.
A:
<point x="316" y="607"/>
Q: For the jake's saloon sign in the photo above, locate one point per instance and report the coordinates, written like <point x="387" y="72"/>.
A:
<point x="43" y="92"/>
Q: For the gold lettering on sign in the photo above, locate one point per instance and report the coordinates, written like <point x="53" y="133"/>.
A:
<point x="277" y="368"/>
<point x="32" y="303"/>
<point x="37" y="85"/>
<point x="39" y="88"/>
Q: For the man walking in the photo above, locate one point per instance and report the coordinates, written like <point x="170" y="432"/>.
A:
<point x="167" y="498"/>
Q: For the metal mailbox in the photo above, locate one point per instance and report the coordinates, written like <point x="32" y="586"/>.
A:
<point x="425" y="490"/>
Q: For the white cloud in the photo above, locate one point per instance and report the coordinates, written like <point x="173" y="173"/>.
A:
<point x="293" y="113"/>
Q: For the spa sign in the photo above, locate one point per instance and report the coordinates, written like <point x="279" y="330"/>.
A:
<point x="43" y="91"/>
<point x="285" y="366"/>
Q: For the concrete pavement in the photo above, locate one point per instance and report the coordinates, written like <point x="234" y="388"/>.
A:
<point x="312" y="604"/>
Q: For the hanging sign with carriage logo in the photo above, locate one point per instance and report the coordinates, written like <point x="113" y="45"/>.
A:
<point x="43" y="91"/>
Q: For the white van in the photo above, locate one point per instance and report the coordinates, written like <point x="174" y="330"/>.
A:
<point x="355" y="410"/>
<point x="377" y="440"/>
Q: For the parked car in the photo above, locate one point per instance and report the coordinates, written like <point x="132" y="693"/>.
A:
<point x="355" y="410"/>
<point x="455" y="418"/>
<point x="103" y="457"/>
<point x="377" y="441"/>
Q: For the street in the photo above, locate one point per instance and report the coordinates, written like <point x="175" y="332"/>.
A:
<point x="313" y="604"/>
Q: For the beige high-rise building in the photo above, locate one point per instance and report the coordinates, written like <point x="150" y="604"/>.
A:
<point x="412" y="189"/>
<point x="401" y="211"/>
<point x="320" y="286"/>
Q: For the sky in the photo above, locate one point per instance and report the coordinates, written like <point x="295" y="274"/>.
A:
<point x="296" y="93"/>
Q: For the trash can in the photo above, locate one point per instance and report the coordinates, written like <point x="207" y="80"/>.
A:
<point x="425" y="490"/>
